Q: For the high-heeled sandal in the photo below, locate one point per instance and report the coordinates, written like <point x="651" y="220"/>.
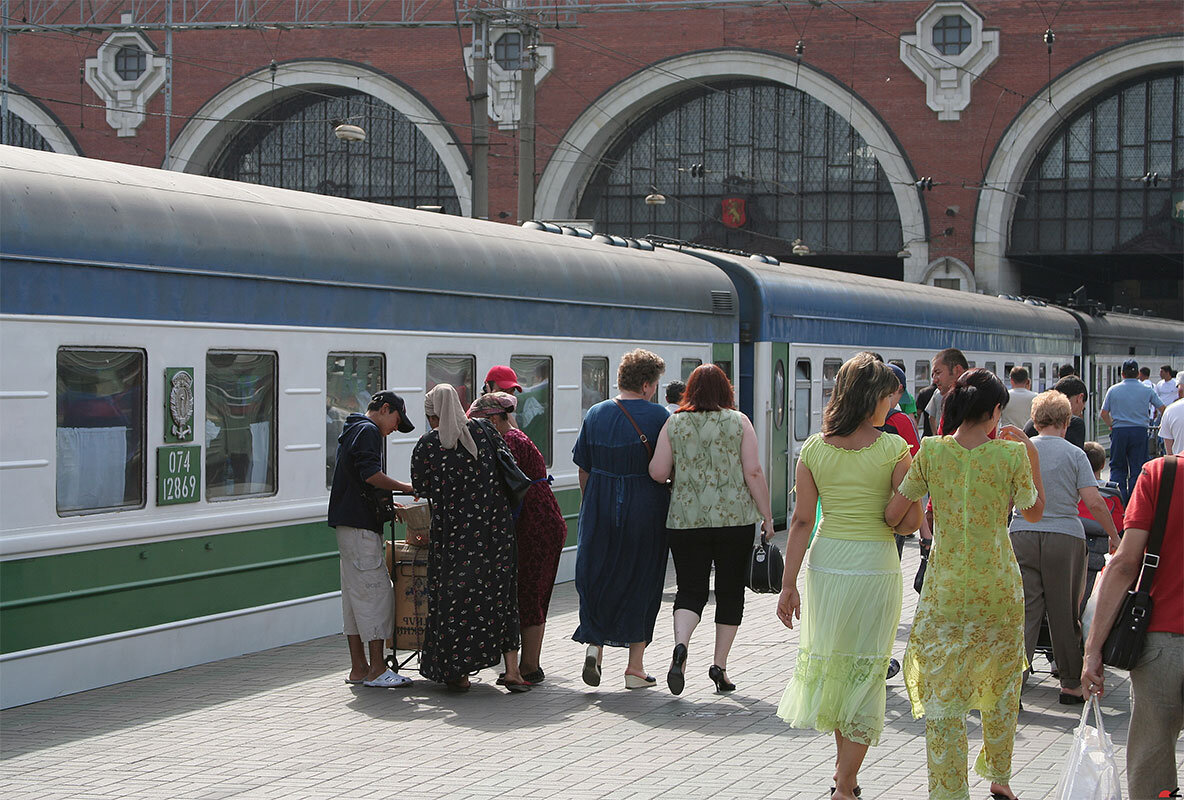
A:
<point x="675" y="679"/>
<point x="856" y="791"/>
<point x="722" y="684"/>
<point x="591" y="673"/>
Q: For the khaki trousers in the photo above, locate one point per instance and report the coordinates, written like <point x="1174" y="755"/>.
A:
<point x="1053" y="567"/>
<point x="1157" y="715"/>
<point x="367" y="595"/>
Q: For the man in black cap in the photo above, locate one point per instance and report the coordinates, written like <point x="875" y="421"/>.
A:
<point x="367" y="595"/>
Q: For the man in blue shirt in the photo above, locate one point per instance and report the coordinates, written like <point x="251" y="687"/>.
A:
<point x="1125" y="411"/>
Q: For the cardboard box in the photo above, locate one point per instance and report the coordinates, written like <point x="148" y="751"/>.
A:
<point x="410" y="576"/>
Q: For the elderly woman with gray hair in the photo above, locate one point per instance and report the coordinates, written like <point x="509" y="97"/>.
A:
<point x="540" y="529"/>
<point x="472" y="563"/>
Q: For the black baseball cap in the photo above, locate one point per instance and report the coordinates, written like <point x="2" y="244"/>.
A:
<point x="389" y="398"/>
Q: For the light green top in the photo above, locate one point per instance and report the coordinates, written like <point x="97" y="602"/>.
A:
<point x="709" y="489"/>
<point x="854" y="485"/>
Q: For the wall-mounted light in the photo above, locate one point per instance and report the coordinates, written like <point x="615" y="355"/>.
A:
<point x="655" y="198"/>
<point x="350" y="133"/>
<point x="800" y="248"/>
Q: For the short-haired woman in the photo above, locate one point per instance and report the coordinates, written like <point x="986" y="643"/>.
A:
<point x="540" y="529"/>
<point x="621" y="549"/>
<point x="718" y="493"/>
<point x="853" y="585"/>
<point x="1052" y="553"/>
<point x="966" y="649"/>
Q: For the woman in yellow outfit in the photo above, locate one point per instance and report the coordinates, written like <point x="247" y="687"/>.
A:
<point x="966" y="650"/>
<point x="852" y="592"/>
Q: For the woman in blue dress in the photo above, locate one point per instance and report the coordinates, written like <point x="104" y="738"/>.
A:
<point x="621" y="551"/>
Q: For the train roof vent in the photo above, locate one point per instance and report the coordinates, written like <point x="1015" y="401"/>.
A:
<point x="722" y="302"/>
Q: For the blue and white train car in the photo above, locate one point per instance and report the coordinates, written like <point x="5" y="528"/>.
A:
<point x="179" y="353"/>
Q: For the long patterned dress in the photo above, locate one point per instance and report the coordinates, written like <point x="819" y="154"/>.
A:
<point x="621" y="553"/>
<point x="541" y="531"/>
<point x="966" y="650"/>
<point x="852" y="598"/>
<point x="472" y="568"/>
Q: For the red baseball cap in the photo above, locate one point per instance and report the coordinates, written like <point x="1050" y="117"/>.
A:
<point x="505" y="378"/>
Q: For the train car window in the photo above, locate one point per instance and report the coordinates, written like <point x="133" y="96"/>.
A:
<point x="1007" y="367"/>
<point x="1028" y="367"/>
<point x="970" y="365"/>
<point x="350" y="379"/>
<point x="535" y="404"/>
<point x="801" y="400"/>
<point x="101" y="403"/>
<point x="991" y="367"/>
<point x="830" y="370"/>
<point x="1043" y="376"/>
<point x="688" y="366"/>
<point x="1056" y="372"/>
<point x="594" y="382"/>
<point x="726" y="366"/>
<point x="458" y="371"/>
<point x="240" y="424"/>
<point x="779" y="390"/>
<point x="921" y="375"/>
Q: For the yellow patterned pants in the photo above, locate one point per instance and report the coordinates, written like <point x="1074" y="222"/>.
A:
<point x="945" y="739"/>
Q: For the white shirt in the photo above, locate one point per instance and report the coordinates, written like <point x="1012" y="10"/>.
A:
<point x="1167" y="391"/>
<point x="1172" y="426"/>
<point x="1019" y="407"/>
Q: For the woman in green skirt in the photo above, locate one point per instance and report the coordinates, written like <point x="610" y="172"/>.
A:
<point x="853" y="585"/>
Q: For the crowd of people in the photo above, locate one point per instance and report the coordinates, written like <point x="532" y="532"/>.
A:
<point x="1014" y="518"/>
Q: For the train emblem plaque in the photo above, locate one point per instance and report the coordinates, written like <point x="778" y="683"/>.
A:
<point x="178" y="404"/>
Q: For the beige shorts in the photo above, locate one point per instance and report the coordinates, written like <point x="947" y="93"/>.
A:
<point x="367" y="595"/>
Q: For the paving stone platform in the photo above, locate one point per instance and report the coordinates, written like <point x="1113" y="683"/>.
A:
<point x="283" y="724"/>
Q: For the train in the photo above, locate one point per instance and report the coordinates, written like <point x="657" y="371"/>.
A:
<point x="178" y="354"/>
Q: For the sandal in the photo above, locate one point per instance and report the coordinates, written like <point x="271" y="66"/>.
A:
<point x="458" y="685"/>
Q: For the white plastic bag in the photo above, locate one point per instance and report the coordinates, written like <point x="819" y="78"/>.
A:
<point x="1090" y="771"/>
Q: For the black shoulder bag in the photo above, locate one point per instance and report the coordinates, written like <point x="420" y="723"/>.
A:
<point x="1124" y="645"/>
<point x="513" y="480"/>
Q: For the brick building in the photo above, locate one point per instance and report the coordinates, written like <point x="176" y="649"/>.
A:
<point x="1013" y="146"/>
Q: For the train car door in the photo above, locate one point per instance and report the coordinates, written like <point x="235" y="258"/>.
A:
<point x="779" y="435"/>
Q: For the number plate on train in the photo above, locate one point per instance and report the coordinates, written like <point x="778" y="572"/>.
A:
<point x="178" y="475"/>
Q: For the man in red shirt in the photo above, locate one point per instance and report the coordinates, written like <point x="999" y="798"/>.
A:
<point x="1157" y="681"/>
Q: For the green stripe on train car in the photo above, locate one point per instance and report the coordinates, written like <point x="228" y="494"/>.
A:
<point x="46" y="600"/>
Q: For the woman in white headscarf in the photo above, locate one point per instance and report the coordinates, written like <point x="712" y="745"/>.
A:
<point x="472" y="563"/>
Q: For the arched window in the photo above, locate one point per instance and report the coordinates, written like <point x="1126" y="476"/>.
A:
<point x="22" y="134"/>
<point x="748" y="165"/>
<point x="292" y="145"/>
<point x="1106" y="181"/>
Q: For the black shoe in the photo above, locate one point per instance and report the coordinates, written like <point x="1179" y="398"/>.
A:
<point x="893" y="668"/>
<point x="675" y="678"/>
<point x="591" y="672"/>
<point x="722" y="684"/>
<point x="1069" y="699"/>
<point x="534" y="677"/>
<point x="857" y="792"/>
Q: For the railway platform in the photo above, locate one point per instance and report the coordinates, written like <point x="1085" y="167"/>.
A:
<point x="282" y="723"/>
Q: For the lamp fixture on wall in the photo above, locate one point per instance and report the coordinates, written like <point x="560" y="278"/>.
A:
<point x="350" y="133"/>
<point x="655" y="198"/>
<point x="906" y="253"/>
<point x="800" y="248"/>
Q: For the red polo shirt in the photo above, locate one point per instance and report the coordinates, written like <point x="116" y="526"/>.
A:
<point x="1167" y="591"/>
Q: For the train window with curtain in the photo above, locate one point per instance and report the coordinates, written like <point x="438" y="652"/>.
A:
<point x="688" y="366"/>
<point x="1007" y="367"/>
<point x="536" y="402"/>
<point x="350" y="380"/>
<point x="240" y="424"/>
<point x="921" y="374"/>
<point x="802" y="389"/>
<point x="1031" y="372"/>
<point x="101" y="402"/>
<point x="458" y="371"/>
<point x="991" y="367"/>
<point x="593" y="382"/>
<point x="830" y="371"/>
<point x="1043" y="376"/>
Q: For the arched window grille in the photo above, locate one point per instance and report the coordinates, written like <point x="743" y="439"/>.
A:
<point x="292" y="145"/>
<point x="799" y="169"/>
<point x="22" y="134"/>
<point x="1110" y="179"/>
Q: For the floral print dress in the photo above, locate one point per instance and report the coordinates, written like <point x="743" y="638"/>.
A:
<point x="966" y="650"/>
<point x="472" y="563"/>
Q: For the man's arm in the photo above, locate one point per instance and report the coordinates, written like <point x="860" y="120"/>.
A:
<point x="384" y="481"/>
<point x="1120" y="573"/>
<point x="1109" y="420"/>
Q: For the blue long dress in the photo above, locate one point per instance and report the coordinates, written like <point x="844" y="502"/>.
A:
<point x="621" y="550"/>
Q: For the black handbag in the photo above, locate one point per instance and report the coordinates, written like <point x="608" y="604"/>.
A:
<point x="765" y="568"/>
<point x="513" y="480"/>
<point x="919" y="580"/>
<point x="1124" y="645"/>
<point x="381" y="502"/>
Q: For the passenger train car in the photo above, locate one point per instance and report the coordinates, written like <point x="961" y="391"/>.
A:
<point x="179" y="352"/>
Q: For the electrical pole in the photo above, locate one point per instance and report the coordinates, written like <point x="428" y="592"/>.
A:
<point x="4" y="73"/>
<point x="479" y="113"/>
<point x="526" y="129"/>
<point x="168" y="85"/>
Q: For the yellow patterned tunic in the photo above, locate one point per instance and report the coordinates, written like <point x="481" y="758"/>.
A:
<point x="966" y="650"/>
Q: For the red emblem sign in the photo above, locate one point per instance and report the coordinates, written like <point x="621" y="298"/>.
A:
<point x="734" y="215"/>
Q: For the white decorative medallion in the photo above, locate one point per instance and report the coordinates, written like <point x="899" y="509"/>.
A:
<point x="948" y="51"/>
<point x="126" y="73"/>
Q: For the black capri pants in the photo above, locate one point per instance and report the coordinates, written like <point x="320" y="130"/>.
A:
<point x="694" y="551"/>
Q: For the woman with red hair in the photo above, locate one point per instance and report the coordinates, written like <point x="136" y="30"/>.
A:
<point x="718" y="493"/>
